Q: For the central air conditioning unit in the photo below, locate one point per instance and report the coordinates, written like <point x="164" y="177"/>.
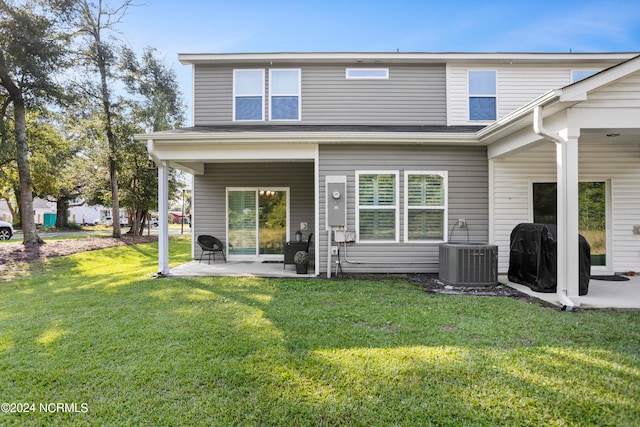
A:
<point x="468" y="264"/>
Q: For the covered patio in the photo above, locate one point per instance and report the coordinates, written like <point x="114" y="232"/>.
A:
<point x="587" y="134"/>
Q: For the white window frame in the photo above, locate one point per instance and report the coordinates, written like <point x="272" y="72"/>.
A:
<point x="444" y="208"/>
<point x="486" y="95"/>
<point x="261" y="95"/>
<point x="298" y="94"/>
<point x="350" y="76"/>
<point x="396" y="206"/>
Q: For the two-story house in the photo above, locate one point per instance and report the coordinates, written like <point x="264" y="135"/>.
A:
<point x="399" y="152"/>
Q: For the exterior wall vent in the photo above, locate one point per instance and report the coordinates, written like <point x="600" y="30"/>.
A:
<point x="469" y="264"/>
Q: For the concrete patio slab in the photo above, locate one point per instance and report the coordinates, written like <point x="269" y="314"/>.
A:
<point x="237" y="269"/>
<point x="602" y="294"/>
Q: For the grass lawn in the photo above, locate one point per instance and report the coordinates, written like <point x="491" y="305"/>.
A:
<point x="95" y="331"/>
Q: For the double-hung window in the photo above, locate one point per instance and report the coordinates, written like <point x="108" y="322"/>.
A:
<point x="425" y="206"/>
<point x="284" y="94"/>
<point x="482" y="95"/>
<point x="248" y="95"/>
<point x="377" y="207"/>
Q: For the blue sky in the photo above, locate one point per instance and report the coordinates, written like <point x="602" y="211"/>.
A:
<point x="189" y="26"/>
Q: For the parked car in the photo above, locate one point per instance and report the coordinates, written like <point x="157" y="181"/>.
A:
<point x="154" y="222"/>
<point x="6" y="230"/>
<point x="124" y="221"/>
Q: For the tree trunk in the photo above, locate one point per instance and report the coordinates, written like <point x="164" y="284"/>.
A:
<point x="101" y="60"/>
<point x="29" y="229"/>
<point x="143" y="222"/>
<point x="22" y="153"/>
<point x="62" y="212"/>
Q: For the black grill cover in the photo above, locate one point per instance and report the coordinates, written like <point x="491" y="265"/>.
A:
<point x="533" y="259"/>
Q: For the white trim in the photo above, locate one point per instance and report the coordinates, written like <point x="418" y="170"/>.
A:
<point x="163" y="220"/>
<point x="444" y="208"/>
<point x="448" y="97"/>
<point x="402" y="57"/>
<point x="316" y="199"/>
<point x="193" y="96"/>
<point x="233" y="94"/>
<point x="194" y="208"/>
<point x="349" y="76"/>
<point x="298" y="94"/>
<point x="397" y="204"/>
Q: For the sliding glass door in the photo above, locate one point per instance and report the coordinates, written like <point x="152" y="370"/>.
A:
<point x="592" y="215"/>
<point x="257" y="220"/>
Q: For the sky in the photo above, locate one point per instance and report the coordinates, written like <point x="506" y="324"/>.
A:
<point x="237" y="26"/>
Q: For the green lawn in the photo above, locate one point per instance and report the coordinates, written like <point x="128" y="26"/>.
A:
<point x="96" y="332"/>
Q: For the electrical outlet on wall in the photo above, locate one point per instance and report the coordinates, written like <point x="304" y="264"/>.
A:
<point x="462" y="223"/>
<point x="304" y="225"/>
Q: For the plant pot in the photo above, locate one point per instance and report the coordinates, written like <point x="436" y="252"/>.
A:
<point x="302" y="268"/>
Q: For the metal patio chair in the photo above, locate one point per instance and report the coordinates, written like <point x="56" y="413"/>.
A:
<point x="210" y="245"/>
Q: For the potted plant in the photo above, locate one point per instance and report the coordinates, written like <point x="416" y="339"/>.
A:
<point x="301" y="258"/>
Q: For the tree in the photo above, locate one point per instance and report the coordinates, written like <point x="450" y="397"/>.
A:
<point x="157" y="105"/>
<point x="96" y="19"/>
<point x="32" y="51"/>
<point x="59" y="174"/>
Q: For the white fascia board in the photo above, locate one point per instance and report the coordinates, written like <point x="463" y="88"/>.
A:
<point x="399" y="57"/>
<point x="204" y="153"/>
<point x="427" y="138"/>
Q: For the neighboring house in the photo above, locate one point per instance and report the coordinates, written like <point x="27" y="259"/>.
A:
<point x="418" y="142"/>
<point x="40" y="208"/>
<point x="5" y="212"/>
<point x="44" y="212"/>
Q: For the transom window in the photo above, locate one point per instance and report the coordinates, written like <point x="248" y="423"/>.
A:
<point x="377" y="207"/>
<point x="248" y="92"/>
<point x="482" y="95"/>
<point x="284" y="88"/>
<point x="425" y="206"/>
<point x="367" y="73"/>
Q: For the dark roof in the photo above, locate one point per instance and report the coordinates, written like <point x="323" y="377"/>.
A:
<point x="323" y="128"/>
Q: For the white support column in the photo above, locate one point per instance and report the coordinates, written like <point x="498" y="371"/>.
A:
<point x="163" y="220"/>
<point x="568" y="254"/>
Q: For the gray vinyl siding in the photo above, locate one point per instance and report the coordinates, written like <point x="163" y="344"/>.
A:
<point x="213" y="95"/>
<point x="210" y="190"/>
<point x="468" y="198"/>
<point x="413" y="95"/>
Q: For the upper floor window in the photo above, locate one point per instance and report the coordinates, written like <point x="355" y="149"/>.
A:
<point x="367" y="73"/>
<point x="248" y="92"/>
<point x="482" y="95"/>
<point x="377" y="206"/>
<point x="284" y="92"/>
<point x="578" y="75"/>
<point x="425" y="206"/>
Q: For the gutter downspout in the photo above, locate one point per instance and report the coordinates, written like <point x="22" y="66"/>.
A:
<point x="538" y="128"/>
